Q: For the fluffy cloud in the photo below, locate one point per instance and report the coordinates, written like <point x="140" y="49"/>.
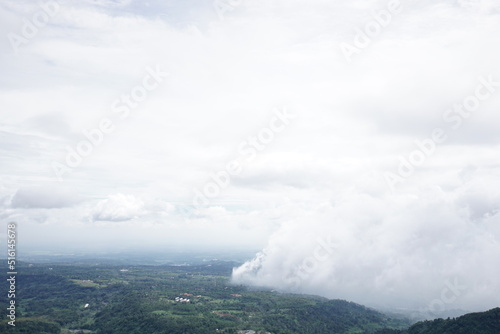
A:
<point x="399" y="251"/>
<point x="118" y="207"/>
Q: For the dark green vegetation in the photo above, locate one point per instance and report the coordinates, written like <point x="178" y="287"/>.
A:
<point x="472" y="323"/>
<point x="52" y="298"/>
<point x="106" y="299"/>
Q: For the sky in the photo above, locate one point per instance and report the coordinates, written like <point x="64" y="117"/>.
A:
<point x="352" y="145"/>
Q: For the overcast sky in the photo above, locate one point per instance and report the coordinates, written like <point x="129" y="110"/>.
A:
<point x="355" y="143"/>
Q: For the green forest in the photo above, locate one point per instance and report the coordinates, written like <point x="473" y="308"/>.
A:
<point x="472" y="323"/>
<point x="140" y="299"/>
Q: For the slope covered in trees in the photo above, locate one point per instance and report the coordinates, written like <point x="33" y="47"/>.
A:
<point x="197" y="299"/>
<point x="107" y="299"/>
<point x="473" y="323"/>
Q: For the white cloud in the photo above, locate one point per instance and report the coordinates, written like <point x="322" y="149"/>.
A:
<point x="118" y="207"/>
<point x="390" y="251"/>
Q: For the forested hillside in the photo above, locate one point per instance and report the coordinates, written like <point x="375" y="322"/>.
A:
<point x="472" y="323"/>
<point x="106" y="299"/>
<point x="192" y="299"/>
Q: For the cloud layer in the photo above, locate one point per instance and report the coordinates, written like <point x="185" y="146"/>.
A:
<point x="398" y="251"/>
